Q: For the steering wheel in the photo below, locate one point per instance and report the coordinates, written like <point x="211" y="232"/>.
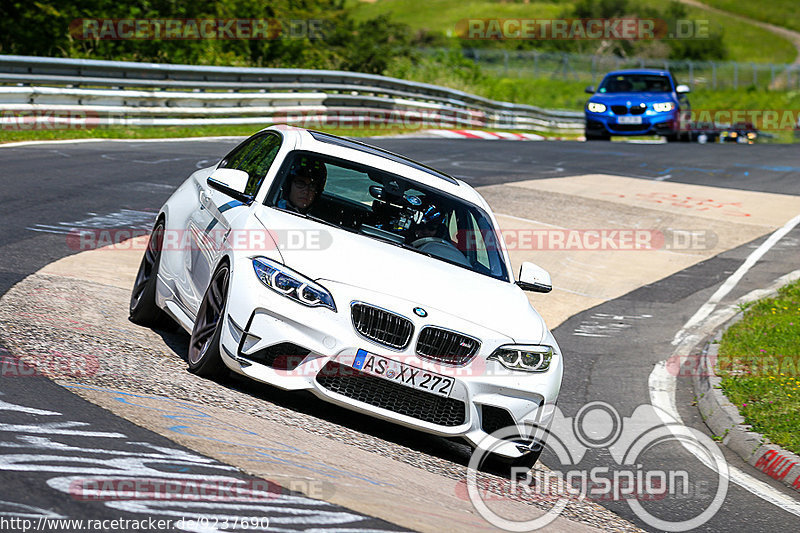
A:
<point x="442" y="248"/>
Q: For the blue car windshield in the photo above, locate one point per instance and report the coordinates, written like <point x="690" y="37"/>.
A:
<point x="635" y="83"/>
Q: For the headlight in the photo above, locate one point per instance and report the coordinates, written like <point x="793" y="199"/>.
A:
<point x="594" y="107"/>
<point x="663" y="106"/>
<point x="530" y="358"/>
<point x="289" y="283"/>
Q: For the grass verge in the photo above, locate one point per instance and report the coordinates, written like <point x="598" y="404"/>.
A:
<point x="759" y="362"/>
<point x="742" y="41"/>
<point x="780" y="12"/>
<point x="156" y="132"/>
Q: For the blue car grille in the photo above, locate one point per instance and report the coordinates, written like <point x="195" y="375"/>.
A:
<point x="638" y="109"/>
<point x="630" y="127"/>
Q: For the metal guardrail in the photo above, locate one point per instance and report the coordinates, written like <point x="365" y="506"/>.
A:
<point x="53" y="90"/>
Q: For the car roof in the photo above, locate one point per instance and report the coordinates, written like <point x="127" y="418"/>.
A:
<point x="379" y="158"/>
<point x="640" y="71"/>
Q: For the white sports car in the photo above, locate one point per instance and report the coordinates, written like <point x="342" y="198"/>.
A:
<point x="309" y="261"/>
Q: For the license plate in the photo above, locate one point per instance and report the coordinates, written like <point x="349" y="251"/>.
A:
<point x="383" y="367"/>
<point x="629" y="120"/>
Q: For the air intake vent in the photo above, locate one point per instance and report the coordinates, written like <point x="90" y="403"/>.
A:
<point x="446" y="346"/>
<point x="392" y="396"/>
<point x="381" y="326"/>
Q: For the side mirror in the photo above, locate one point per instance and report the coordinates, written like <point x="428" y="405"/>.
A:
<point x="534" y="278"/>
<point x="682" y="89"/>
<point x="231" y="182"/>
<point x="589" y="89"/>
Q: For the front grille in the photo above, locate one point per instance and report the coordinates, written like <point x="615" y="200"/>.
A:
<point x="392" y="396"/>
<point x="381" y="326"/>
<point x="639" y="109"/>
<point x="631" y="127"/>
<point x="446" y="346"/>
<point x="619" y="109"/>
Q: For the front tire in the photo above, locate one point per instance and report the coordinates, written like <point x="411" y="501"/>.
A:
<point x="143" y="309"/>
<point x="204" y="356"/>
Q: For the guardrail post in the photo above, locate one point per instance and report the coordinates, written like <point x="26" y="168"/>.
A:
<point x="535" y="64"/>
<point x="736" y="75"/>
<point x="755" y="75"/>
<point x="771" y="74"/>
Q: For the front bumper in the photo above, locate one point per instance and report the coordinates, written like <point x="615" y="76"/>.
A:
<point x="277" y="341"/>
<point x="652" y="123"/>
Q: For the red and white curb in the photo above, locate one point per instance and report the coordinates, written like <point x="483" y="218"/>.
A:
<point x="490" y="135"/>
<point x="725" y="421"/>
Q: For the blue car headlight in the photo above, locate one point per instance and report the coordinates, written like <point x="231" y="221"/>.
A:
<point x="595" y="107"/>
<point x="528" y="357"/>
<point x="294" y="286"/>
<point x="661" y="107"/>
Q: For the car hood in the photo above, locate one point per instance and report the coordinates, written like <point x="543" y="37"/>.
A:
<point x="374" y="265"/>
<point x="633" y="98"/>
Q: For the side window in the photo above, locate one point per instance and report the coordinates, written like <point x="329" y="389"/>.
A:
<point x="254" y="156"/>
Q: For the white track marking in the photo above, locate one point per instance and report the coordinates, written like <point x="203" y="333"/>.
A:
<point x="528" y="220"/>
<point x="731" y="282"/>
<point x="662" y="383"/>
<point x="662" y="395"/>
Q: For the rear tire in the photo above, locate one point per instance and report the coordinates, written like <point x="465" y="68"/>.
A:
<point x="204" y="356"/>
<point x="143" y="309"/>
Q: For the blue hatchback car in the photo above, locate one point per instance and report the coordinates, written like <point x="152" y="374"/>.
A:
<point x="636" y="102"/>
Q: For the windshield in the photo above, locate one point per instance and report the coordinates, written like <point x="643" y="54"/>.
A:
<point x="387" y="207"/>
<point x="635" y="83"/>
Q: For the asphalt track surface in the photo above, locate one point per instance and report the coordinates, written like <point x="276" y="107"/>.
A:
<point x="48" y="186"/>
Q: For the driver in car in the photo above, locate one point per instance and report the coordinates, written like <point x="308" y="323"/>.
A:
<point x="432" y="224"/>
<point x="304" y="185"/>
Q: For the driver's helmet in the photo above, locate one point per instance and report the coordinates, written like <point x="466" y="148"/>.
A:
<point x="431" y="215"/>
<point x="311" y="168"/>
<point x="432" y="223"/>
